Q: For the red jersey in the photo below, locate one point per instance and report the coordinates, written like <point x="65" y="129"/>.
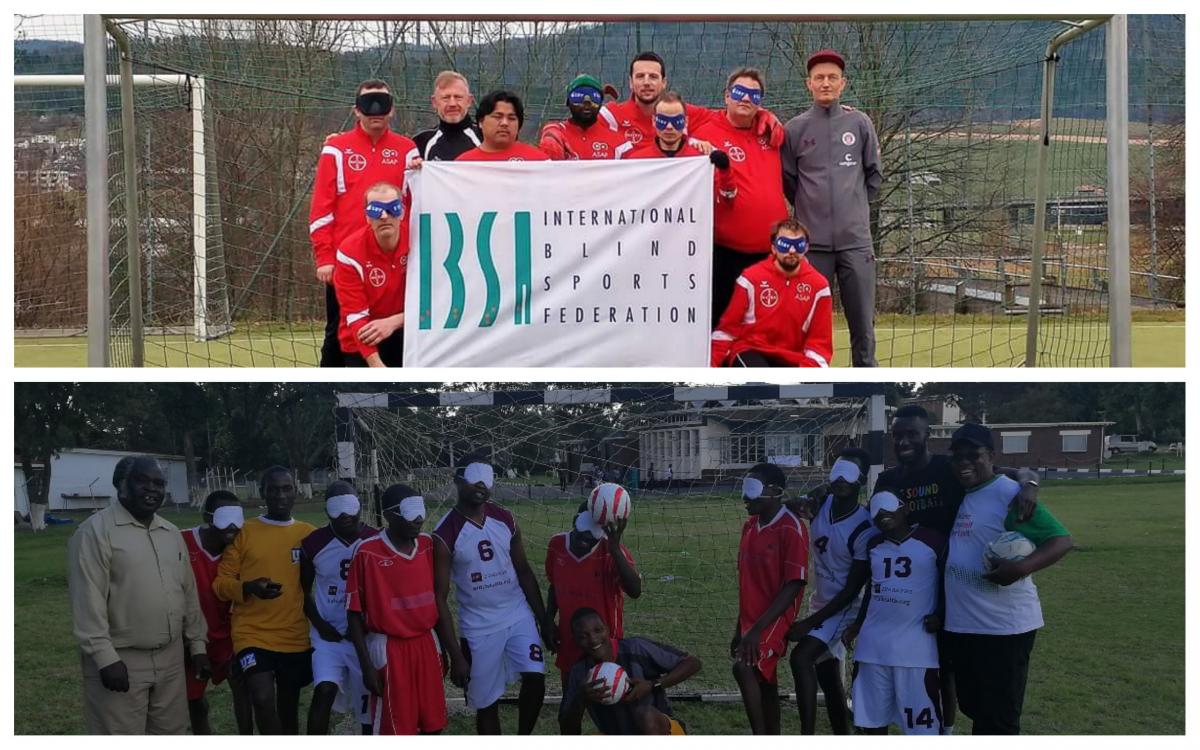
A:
<point x="635" y="126"/>
<point x="744" y="222"/>
<point x="204" y="568"/>
<point x="588" y="581"/>
<point x="393" y="591"/>
<point x="348" y="165"/>
<point x="722" y="178"/>
<point x="369" y="284"/>
<point x="516" y="152"/>
<point x="786" y="318"/>
<point x="769" y="557"/>
<point x="567" y="140"/>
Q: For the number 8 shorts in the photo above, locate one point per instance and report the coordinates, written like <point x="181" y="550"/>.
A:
<point x="499" y="658"/>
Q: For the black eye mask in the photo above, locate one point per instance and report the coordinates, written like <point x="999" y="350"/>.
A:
<point x="374" y="103"/>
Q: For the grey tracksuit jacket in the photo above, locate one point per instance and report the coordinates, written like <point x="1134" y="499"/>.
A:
<point x="830" y="171"/>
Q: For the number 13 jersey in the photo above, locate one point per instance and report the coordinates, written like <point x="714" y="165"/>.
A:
<point x="906" y="582"/>
<point x="485" y="581"/>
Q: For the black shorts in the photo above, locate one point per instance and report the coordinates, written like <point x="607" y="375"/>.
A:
<point x="292" y="667"/>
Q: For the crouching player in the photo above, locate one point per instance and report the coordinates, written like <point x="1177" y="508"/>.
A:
<point x="652" y="667"/>
<point x="390" y="602"/>
<point x="896" y="660"/>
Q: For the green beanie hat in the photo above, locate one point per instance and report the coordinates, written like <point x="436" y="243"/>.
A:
<point x="585" y="80"/>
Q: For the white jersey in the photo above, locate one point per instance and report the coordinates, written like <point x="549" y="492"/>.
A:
<point x="973" y="603"/>
<point x="906" y="580"/>
<point x="330" y="558"/>
<point x="836" y="544"/>
<point x="485" y="581"/>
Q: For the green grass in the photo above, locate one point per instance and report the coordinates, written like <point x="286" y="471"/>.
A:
<point x="902" y="341"/>
<point x="1109" y="661"/>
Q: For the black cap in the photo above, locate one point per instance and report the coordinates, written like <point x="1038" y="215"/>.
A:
<point x="976" y="434"/>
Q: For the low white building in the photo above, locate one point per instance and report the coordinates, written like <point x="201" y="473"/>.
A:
<point x="81" y="479"/>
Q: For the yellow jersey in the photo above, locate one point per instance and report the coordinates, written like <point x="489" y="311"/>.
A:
<point x="266" y="549"/>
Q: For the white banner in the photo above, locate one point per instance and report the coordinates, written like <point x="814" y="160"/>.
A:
<point x="582" y="263"/>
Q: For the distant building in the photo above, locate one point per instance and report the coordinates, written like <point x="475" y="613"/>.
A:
<point x="81" y="479"/>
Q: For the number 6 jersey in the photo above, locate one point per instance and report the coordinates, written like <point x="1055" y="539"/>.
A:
<point x="485" y="582"/>
<point x="905" y="587"/>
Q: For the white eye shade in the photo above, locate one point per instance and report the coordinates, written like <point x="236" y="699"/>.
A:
<point x="885" y="500"/>
<point x="844" y="469"/>
<point x="229" y="515"/>
<point x="475" y="473"/>
<point x="412" y="508"/>
<point x="342" y="505"/>
<point x="752" y="488"/>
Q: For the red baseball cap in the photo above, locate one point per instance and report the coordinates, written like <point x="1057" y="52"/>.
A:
<point x="826" y="55"/>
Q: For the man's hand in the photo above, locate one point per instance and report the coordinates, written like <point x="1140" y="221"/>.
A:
<point x="415" y="163"/>
<point x="371" y="681"/>
<point x="720" y="159"/>
<point x="747" y="649"/>
<point x="802" y="507"/>
<point x="325" y="274"/>
<point x="550" y="635"/>
<point x="115" y="677"/>
<point x="800" y="629"/>
<point x="933" y="623"/>
<point x="594" y="691"/>
<point x="201" y="666"/>
<point x="733" y="646"/>
<point x="767" y="125"/>
<point x="703" y="147"/>
<point x="262" y="588"/>
<point x="1025" y="503"/>
<point x="614" y="531"/>
<point x="377" y="330"/>
<point x="1007" y="572"/>
<point x="329" y="138"/>
<point x="460" y="671"/>
<point x="850" y="634"/>
<point x="328" y="632"/>
<point x="638" y="689"/>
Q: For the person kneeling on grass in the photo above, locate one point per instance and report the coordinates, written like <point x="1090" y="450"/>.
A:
<point x="369" y="280"/>
<point x="652" y="667"/>
<point x="780" y="313"/>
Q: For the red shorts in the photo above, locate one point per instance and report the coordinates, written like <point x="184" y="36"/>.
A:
<point x="220" y="656"/>
<point x="771" y="648"/>
<point x="414" y="699"/>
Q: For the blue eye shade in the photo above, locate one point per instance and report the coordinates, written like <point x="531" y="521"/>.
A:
<point x="376" y="209"/>
<point x="662" y="122"/>
<point x="583" y="94"/>
<point x="791" y="244"/>
<point x="740" y="93"/>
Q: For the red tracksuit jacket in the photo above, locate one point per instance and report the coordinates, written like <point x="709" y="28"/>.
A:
<point x="788" y="319"/>
<point x="348" y="165"/>
<point x="722" y="178"/>
<point x="369" y="284"/>
<point x="598" y="142"/>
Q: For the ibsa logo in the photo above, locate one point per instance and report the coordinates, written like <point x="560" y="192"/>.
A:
<point x="450" y="259"/>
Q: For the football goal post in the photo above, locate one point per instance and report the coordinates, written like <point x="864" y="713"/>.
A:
<point x="681" y="451"/>
<point x="1005" y="230"/>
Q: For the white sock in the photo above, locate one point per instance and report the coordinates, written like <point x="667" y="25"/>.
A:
<point x="947" y="729"/>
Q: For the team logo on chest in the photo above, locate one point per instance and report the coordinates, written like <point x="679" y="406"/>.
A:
<point x="737" y="154"/>
<point x="377" y="276"/>
<point x="848" y="138"/>
<point x="768" y="297"/>
<point x="390" y="156"/>
<point x="804" y="292"/>
<point x="356" y="161"/>
<point x="633" y="135"/>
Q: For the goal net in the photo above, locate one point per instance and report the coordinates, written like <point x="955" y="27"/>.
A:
<point x="955" y="103"/>
<point x="680" y="451"/>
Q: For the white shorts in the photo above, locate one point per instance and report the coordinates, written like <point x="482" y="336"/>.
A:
<point x="830" y="632"/>
<point x="909" y="697"/>
<point x="337" y="662"/>
<point x="499" y="658"/>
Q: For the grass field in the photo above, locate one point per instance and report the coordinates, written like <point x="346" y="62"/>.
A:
<point x="902" y="341"/>
<point x="1110" y="660"/>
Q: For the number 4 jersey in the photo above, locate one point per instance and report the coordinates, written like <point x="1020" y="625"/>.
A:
<point x="906" y="582"/>
<point x="485" y="581"/>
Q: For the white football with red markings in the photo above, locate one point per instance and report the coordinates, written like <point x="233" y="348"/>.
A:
<point x="609" y="503"/>
<point x="612" y="680"/>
